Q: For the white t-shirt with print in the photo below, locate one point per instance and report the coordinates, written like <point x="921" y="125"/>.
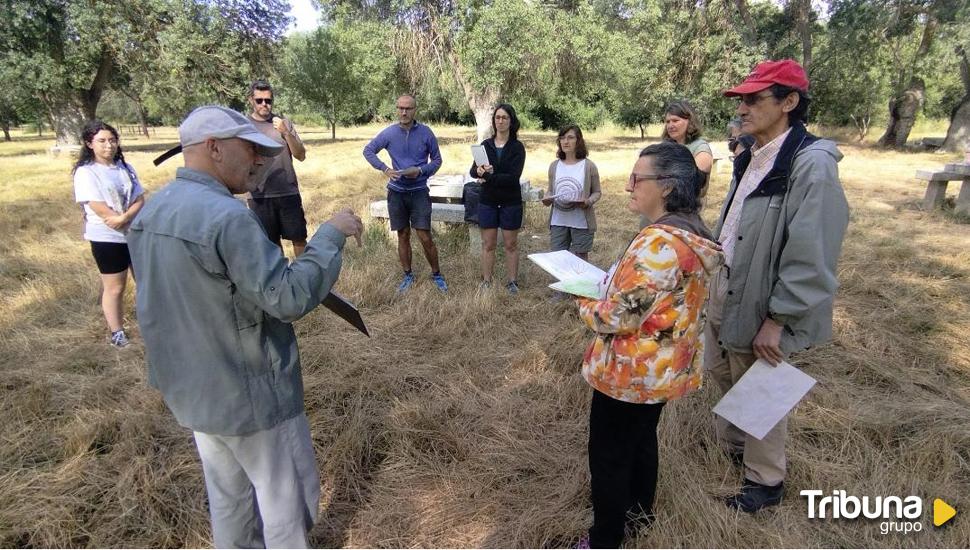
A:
<point x="86" y="189"/>
<point x="569" y="183"/>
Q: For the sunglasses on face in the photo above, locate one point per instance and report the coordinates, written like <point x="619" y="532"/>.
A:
<point x="262" y="100"/>
<point x="752" y="99"/>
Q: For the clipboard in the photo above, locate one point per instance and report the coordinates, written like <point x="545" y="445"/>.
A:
<point x="345" y="310"/>
<point x="479" y="154"/>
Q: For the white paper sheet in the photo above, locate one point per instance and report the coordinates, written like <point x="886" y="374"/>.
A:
<point x="763" y="396"/>
<point x="479" y="154"/>
<point x="564" y="265"/>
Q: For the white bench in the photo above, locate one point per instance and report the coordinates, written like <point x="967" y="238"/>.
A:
<point x="936" y="184"/>
<point x="446" y="208"/>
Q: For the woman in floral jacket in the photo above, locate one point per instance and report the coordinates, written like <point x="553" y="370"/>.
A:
<point x="648" y="348"/>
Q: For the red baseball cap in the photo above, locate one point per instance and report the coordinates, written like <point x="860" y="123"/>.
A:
<point x="786" y="72"/>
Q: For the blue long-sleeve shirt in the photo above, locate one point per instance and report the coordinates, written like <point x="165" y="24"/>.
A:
<point x="416" y="146"/>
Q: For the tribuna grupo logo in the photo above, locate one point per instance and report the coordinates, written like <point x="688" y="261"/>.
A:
<point x="898" y="514"/>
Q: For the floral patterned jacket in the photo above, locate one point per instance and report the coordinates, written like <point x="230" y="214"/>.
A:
<point x="648" y="346"/>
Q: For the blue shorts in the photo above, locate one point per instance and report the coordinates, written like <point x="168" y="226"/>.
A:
<point x="508" y="217"/>
<point x="409" y="209"/>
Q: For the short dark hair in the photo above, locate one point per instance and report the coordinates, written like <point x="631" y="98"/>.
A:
<point x="800" y="112"/>
<point x="681" y="176"/>
<point x="91" y="129"/>
<point x="684" y="110"/>
<point x="513" y="120"/>
<point x="261" y="85"/>
<point x="581" y="151"/>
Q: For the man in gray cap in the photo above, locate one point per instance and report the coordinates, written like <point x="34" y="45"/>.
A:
<point x="215" y="301"/>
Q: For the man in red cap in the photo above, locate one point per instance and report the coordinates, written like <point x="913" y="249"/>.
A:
<point x="781" y="228"/>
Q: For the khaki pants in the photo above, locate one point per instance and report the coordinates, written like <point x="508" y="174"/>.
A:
<point x="764" y="459"/>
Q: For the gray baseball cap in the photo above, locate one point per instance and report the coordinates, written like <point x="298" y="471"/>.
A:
<point x="219" y="123"/>
<point x="213" y="121"/>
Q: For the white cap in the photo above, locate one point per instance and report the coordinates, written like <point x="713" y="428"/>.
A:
<point x="213" y="121"/>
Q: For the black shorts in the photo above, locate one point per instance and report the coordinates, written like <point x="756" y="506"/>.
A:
<point x="410" y="209"/>
<point x="111" y="257"/>
<point x="282" y="217"/>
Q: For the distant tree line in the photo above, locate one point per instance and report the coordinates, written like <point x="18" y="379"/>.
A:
<point x="873" y="63"/>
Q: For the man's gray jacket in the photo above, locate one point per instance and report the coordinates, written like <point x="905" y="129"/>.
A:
<point x="788" y="243"/>
<point x="215" y="299"/>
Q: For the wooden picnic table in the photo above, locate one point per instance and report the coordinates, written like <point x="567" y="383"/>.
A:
<point x="936" y="184"/>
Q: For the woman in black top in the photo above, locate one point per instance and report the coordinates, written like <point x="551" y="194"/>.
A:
<point x="500" y="204"/>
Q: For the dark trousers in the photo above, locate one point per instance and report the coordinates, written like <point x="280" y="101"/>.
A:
<point x="622" y="465"/>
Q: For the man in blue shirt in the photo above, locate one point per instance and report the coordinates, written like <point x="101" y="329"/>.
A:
<point x="415" y="157"/>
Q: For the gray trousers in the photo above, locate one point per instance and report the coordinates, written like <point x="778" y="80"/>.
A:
<point x="764" y="459"/>
<point x="263" y="487"/>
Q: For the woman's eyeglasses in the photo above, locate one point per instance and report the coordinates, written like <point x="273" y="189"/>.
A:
<point x="637" y="178"/>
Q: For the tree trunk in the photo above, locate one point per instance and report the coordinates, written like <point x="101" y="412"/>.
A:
<point x="6" y="131"/>
<point x="642" y="134"/>
<point x="480" y="102"/>
<point x="803" y="22"/>
<point x="958" y="134"/>
<point x="482" y="107"/>
<point x="143" y="119"/>
<point x="67" y="119"/>
<point x="333" y="130"/>
<point x="748" y="27"/>
<point x="902" y="114"/>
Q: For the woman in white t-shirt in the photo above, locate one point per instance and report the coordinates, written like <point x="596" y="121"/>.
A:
<point x="573" y="189"/>
<point x="108" y="191"/>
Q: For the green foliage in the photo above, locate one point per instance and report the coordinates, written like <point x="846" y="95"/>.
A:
<point x="509" y="48"/>
<point x="170" y="54"/>
<point x="339" y="70"/>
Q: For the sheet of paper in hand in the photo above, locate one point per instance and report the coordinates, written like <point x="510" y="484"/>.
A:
<point x="763" y="396"/>
<point x="479" y="154"/>
<point x="574" y="275"/>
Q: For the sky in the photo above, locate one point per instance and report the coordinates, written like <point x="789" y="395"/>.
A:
<point x="307" y="18"/>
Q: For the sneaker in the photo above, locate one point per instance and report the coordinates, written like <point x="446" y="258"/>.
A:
<point x="755" y="496"/>
<point x="485" y="285"/>
<point x="512" y="287"/>
<point x="119" y="339"/>
<point x="439" y="281"/>
<point x="405" y="283"/>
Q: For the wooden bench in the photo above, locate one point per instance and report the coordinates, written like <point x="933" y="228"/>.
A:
<point x="936" y="184"/>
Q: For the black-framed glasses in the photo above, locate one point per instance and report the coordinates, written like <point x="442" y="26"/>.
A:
<point x="262" y="100"/>
<point x="399" y="108"/>
<point x="752" y="99"/>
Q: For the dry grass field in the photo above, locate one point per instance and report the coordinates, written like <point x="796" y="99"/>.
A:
<point x="462" y="421"/>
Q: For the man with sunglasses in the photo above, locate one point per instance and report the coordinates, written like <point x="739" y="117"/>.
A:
<point x="781" y="229"/>
<point x="276" y="200"/>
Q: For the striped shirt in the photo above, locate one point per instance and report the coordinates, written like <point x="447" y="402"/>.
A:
<point x="762" y="160"/>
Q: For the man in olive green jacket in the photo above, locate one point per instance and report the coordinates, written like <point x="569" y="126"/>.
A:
<point x="781" y="228"/>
